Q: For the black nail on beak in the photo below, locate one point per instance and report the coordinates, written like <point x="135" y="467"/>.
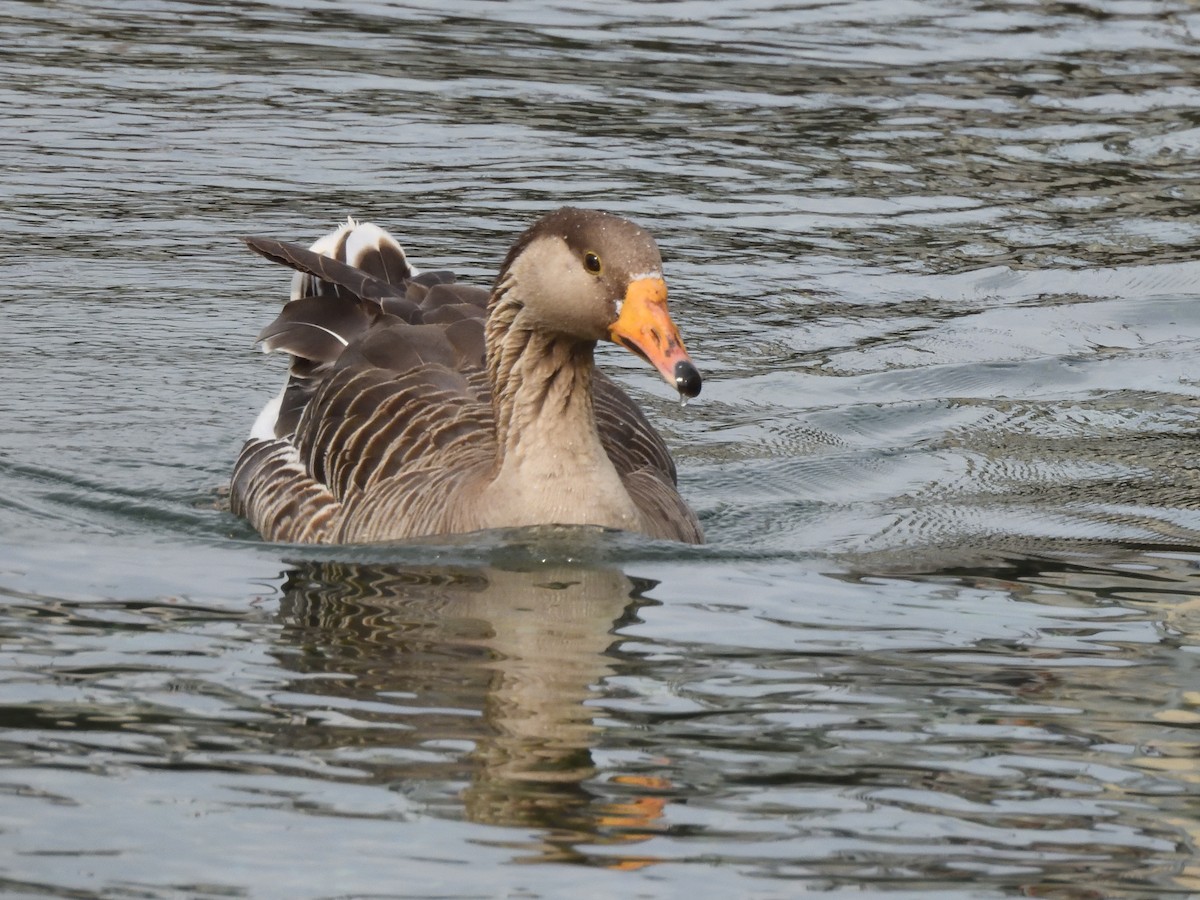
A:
<point x="687" y="379"/>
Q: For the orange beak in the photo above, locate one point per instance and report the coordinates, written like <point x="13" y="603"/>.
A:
<point x="645" y="327"/>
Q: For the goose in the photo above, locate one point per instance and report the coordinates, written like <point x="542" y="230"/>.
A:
<point x="419" y="406"/>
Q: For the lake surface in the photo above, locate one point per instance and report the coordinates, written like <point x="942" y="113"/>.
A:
<point x="938" y="262"/>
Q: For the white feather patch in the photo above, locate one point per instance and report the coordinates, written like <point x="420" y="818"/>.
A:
<point x="264" y="425"/>
<point x="364" y="239"/>
<point x="325" y="246"/>
<point x="360" y="237"/>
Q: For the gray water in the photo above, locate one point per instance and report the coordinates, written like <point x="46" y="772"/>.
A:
<point x="937" y="261"/>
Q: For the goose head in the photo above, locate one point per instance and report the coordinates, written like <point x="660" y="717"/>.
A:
<point x="590" y="276"/>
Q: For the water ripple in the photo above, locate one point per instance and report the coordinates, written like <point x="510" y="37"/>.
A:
<point x="937" y="263"/>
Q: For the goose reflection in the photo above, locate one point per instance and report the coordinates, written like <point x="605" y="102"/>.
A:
<point x="466" y="688"/>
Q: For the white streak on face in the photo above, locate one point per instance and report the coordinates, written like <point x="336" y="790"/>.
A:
<point x="657" y="275"/>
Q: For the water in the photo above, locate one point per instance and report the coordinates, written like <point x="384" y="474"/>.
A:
<point x="937" y="264"/>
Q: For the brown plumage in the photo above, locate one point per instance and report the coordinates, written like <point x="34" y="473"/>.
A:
<point x="419" y="406"/>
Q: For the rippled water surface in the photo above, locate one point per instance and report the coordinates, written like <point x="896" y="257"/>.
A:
<point x="937" y="263"/>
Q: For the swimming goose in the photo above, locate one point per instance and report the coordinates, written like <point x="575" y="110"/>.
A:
<point x="416" y="405"/>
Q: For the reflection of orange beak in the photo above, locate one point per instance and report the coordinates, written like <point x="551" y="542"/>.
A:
<point x="645" y="327"/>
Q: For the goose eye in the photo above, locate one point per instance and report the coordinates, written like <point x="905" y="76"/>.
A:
<point x="591" y="262"/>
